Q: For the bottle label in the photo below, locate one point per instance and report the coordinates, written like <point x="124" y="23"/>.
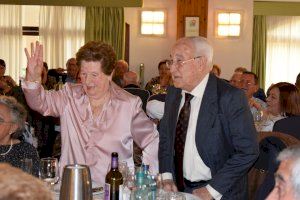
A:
<point x="120" y="192"/>
<point x="107" y="191"/>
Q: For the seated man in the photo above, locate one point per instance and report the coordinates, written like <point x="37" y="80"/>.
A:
<point x="72" y="70"/>
<point x="130" y="80"/>
<point x="6" y="82"/>
<point x="287" y="176"/>
<point x="131" y="85"/>
<point x="250" y="85"/>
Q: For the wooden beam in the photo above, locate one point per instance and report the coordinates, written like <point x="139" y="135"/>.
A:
<point x="102" y="3"/>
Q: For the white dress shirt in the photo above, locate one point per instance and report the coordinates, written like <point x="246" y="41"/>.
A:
<point x="194" y="169"/>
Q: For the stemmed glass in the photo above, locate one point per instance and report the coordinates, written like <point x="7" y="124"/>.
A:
<point x="49" y="170"/>
<point x="123" y="168"/>
<point x="176" y="196"/>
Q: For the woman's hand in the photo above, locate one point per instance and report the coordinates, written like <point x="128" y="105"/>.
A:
<point x="34" y="63"/>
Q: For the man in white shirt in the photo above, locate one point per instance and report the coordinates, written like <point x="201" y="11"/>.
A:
<point x="250" y="86"/>
<point x="219" y="144"/>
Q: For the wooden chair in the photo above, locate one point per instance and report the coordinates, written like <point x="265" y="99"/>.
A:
<point x="270" y="144"/>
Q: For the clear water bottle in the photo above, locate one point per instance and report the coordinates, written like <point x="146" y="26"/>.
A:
<point x="142" y="191"/>
<point x="152" y="188"/>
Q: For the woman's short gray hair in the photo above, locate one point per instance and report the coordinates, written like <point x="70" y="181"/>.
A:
<point x="17" y="111"/>
<point x="293" y="153"/>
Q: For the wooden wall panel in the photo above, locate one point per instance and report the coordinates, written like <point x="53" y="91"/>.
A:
<point x="192" y="8"/>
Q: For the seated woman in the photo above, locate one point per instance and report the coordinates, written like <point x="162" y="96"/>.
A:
<point x="6" y="82"/>
<point x="97" y="117"/>
<point x="160" y="83"/>
<point x="291" y="124"/>
<point x="12" y="122"/>
<point x="279" y="105"/>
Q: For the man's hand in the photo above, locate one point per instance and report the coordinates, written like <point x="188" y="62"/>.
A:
<point x="202" y="193"/>
<point x="169" y="186"/>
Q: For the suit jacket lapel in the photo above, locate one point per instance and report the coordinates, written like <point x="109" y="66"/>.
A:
<point x="207" y="114"/>
<point x="174" y="112"/>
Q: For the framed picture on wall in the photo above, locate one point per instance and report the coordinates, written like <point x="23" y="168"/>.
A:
<point x="191" y="26"/>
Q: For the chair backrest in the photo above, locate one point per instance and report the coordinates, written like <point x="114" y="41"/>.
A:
<point x="158" y="97"/>
<point x="287" y="139"/>
<point x="270" y="144"/>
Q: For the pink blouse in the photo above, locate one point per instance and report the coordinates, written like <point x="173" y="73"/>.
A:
<point x="90" y="141"/>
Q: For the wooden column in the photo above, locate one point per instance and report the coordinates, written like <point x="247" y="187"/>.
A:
<point x="197" y="8"/>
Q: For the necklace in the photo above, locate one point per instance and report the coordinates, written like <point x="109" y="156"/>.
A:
<point x="11" y="145"/>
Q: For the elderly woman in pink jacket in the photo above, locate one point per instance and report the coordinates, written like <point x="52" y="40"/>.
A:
<point x="97" y="117"/>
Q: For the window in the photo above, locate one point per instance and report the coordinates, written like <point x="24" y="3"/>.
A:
<point x="153" y="22"/>
<point x="228" y="24"/>
<point x="30" y="31"/>
<point x="283" y="49"/>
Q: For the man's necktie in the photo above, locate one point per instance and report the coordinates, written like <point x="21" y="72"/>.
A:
<point x="181" y="130"/>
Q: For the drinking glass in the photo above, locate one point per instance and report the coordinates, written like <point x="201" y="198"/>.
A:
<point x="257" y="116"/>
<point x="123" y="168"/>
<point x="130" y="182"/>
<point x="26" y="165"/>
<point x="49" y="170"/>
<point x="175" y="196"/>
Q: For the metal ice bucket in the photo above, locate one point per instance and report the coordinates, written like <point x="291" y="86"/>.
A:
<point x="76" y="183"/>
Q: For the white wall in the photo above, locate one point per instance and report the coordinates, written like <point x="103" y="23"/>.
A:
<point x="228" y="53"/>
<point x="150" y="50"/>
<point x="232" y="53"/>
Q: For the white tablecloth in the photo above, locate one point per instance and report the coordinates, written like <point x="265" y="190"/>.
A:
<point x="101" y="196"/>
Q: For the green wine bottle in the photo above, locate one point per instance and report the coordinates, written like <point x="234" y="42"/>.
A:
<point x="113" y="180"/>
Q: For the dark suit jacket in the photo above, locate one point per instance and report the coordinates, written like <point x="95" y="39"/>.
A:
<point x="225" y="136"/>
<point x="143" y="94"/>
<point x="289" y="125"/>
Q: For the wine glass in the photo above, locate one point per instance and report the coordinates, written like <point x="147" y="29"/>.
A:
<point x="257" y="116"/>
<point x="27" y="165"/>
<point x="49" y="170"/>
<point x="123" y="168"/>
<point x="130" y="182"/>
<point x="176" y="196"/>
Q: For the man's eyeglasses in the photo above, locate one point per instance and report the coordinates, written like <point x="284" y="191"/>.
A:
<point x="180" y="63"/>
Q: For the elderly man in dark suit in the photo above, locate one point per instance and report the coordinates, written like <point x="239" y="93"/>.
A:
<point x="207" y="135"/>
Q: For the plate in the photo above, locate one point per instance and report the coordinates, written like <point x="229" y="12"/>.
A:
<point x="97" y="189"/>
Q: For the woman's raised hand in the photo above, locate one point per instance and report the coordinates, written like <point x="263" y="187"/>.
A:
<point x="34" y="63"/>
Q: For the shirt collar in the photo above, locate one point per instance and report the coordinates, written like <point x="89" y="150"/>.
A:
<point x="198" y="91"/>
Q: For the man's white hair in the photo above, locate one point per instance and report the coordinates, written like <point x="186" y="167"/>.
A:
<point x="201" y="47"/>
<point x="293" y="153"/>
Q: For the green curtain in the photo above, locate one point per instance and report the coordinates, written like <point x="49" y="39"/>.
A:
<point x="107" y="25"/>
<point x="259" y="45"/>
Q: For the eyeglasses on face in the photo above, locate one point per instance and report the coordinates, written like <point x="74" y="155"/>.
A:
<point x="180" y="63"/>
